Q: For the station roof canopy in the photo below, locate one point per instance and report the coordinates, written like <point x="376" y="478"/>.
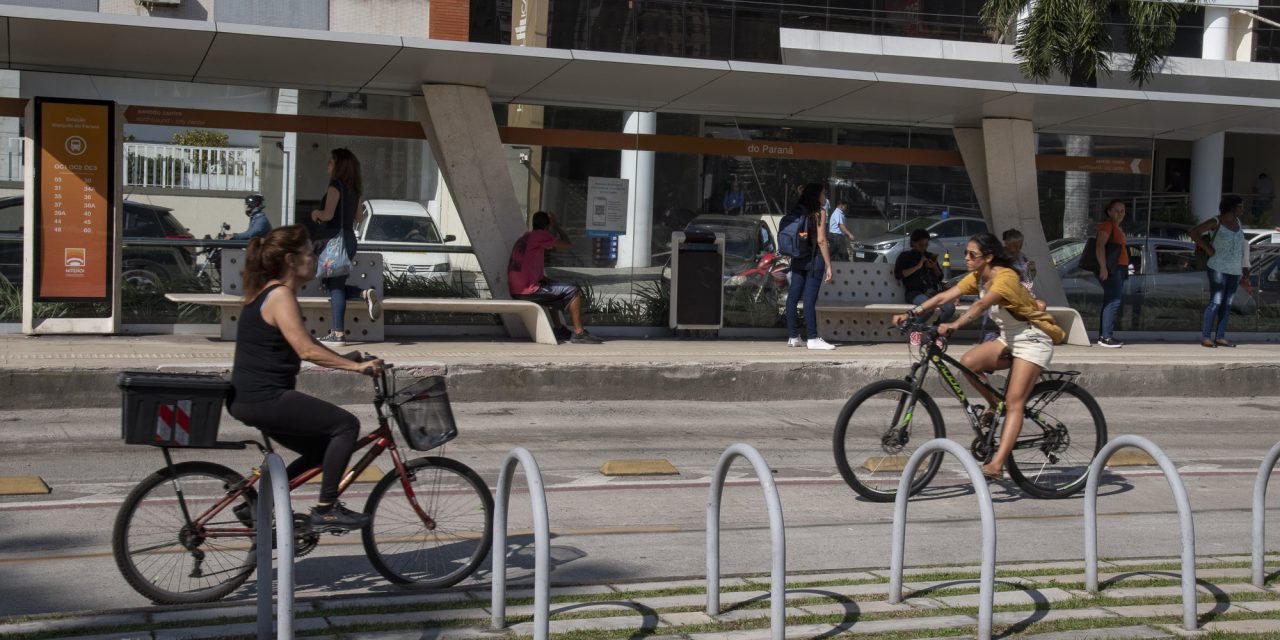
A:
<point x="835" y="86"/>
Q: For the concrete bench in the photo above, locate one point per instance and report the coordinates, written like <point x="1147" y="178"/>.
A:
<point x="366" y="273"/>
<point x="315" y="311"/>
<point x="860" y="304"/>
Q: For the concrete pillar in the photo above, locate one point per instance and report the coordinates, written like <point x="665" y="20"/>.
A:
<point x="459" y="124"/>
<point x="973" y="152"/>
<point x="1207" y="152"/>
<point x="1009" y="148"/>
<point x="637" y="167"/>
<point x="278" y="164"/>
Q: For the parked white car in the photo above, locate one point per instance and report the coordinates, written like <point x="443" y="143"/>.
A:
<point x="407" y="223"/>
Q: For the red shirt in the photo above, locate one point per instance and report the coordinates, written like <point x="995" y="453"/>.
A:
<point x="1116" y="236"/>
<point x="525" y="269"/>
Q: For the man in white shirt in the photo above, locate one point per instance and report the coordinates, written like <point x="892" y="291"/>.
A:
<point x="838" y="235"/>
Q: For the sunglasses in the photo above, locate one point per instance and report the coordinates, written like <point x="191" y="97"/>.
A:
<point x="973" y="255"/>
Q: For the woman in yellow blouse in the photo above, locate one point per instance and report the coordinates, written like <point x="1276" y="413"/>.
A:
<point x="1027" y="334"/>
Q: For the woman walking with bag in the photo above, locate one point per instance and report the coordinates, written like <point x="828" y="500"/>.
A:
<point x="1227" y="267"/>
<point x="336" y="220"/>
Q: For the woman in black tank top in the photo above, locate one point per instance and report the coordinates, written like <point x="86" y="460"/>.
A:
<point x="339" y="213"/>
<point x="271" y="344"/>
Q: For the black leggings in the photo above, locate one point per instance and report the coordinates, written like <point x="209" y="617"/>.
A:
<point x="324" y="434"/>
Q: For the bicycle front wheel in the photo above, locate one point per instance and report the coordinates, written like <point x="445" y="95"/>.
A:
<point x="1062" y="430"/>
<point x="877" y="432"/>
<point x="449" y="544"/>
<point x="166" y="556"/>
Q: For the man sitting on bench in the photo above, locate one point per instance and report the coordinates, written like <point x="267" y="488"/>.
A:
<point x="920" y="274"/>
<point x="527" y="281"/>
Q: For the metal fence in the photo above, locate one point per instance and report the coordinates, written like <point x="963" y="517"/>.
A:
<point x="169" y="166"/>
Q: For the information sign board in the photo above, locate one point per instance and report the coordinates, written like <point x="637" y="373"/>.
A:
<point x="73" y="199"/>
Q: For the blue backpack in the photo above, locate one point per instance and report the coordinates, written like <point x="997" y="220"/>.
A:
<point x="794" y="238"/>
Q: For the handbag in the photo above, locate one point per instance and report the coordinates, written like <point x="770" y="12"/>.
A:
<point x="1089" y="257"/>
<point x="1202" y="258"/>
<point x="333" y="260"/>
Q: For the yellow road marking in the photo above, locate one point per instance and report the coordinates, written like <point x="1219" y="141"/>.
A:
<point x="1131" y="458"/>
<point x="23" y="486"/>
<point x="876" y="464"/>
<point x="659" y="467"/>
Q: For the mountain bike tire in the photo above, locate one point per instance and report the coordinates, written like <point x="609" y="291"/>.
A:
<point x="866" y="463"/>
<point x="1073" y="413"/>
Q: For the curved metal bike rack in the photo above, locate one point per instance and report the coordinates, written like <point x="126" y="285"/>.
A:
<point x="1260" y="515"/>
<point x="987" y="586"/>
<point x="274" y="495"/>
<point x="541" y="544"/>
<point x="777" y="536"/>
<point x="1184" y="520"/>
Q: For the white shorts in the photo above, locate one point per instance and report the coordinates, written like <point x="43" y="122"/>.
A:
<point x="1030" y="344"/>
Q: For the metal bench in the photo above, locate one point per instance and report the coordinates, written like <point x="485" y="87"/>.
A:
<point x="366" y="273"/>
<point x="860" y="304"/>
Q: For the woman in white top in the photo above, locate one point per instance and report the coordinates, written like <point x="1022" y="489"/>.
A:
<point x="1227" y="268"/>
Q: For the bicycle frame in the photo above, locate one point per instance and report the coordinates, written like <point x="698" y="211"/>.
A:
<point x="935" y="357"/>
<point x="379" y="441"/>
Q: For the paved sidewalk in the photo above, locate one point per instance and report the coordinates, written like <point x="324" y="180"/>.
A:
<point x="37" y="372"/>
<point x="1139" y="599"/>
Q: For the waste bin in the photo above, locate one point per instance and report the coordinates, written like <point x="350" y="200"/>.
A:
<point x="697" y="274"/>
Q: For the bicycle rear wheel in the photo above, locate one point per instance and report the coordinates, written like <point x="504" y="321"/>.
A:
<point x="1063" y="429"/>
<point x="406" y="550"/>
<point x="165" y="557"/>
<point x="875" y="436"/>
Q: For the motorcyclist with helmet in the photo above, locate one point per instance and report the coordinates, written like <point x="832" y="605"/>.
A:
<point x="255" y="208"/>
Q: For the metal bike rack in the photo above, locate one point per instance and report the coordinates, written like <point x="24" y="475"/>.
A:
<point x="777" y="536"/>
<point x="1260" y="515"/>
<point x="987" y="586"/>
<point x="275" y="495"/>
<point x="1184" y="520"/>
<point x="541" y="544"/>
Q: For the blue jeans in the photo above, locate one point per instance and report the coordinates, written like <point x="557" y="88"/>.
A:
<point x="339" y="292"/>
<point x="805" y="282"/>
<point x="945" y="312"/>
<point x="1222" y="288"/>
<point x="1112" y="298"/>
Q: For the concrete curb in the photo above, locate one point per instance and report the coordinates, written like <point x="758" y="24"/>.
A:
<point x="59" y="387"/>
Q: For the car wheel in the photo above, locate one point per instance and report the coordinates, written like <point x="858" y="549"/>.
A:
<point x="141" y="279"/>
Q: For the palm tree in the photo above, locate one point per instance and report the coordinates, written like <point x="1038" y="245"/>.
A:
<point x="1073" y="37"/>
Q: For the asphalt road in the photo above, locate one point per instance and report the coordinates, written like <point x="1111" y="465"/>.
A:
<point x="55" y="549"/>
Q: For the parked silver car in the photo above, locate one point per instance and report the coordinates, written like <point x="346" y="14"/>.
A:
<point x="948" y="236"/>
<point x="1162" y="275"/>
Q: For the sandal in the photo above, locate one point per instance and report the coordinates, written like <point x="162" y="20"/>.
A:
<point x="1208" y="343"/>
<point x="1223" y="342"/>
<point x="993" y="477"/>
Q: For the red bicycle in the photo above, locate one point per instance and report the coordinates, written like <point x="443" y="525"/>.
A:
<point x="185" y="534"/>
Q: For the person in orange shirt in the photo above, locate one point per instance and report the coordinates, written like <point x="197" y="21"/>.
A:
<point x="1113" y="262"/>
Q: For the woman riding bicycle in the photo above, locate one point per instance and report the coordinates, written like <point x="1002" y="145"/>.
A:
<point x="271" y="342"/>
<point x="1027" y="334"/>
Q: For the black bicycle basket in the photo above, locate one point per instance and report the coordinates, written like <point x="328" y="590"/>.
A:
<point x="423" y="413"/>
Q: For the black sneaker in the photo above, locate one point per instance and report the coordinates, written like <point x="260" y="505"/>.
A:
<point x="244" y="513"/>
<point x="585" y="338"/>
<point x="337" y="518"/>
<point x="1110" y="343"/>
<point x="563" y="334"/>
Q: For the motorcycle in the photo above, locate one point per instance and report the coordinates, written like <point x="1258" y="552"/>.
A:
<point x="209" y="272"/>
<point x="760" y="289"/>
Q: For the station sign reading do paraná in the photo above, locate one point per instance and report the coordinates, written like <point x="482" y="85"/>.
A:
<point x="74" y="184"/>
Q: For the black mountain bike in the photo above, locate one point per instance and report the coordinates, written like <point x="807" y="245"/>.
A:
<point x="884" y="422"/>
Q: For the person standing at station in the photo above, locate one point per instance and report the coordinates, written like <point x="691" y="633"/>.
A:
<point x="341" y="211"/>
<point x="809" y="271"/>
<point x="1111" y="248"/>
<point x="838" y="233"/>
<point x="1227" y="267"/>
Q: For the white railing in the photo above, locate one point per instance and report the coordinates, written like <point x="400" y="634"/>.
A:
<point x="169" y="166"/>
